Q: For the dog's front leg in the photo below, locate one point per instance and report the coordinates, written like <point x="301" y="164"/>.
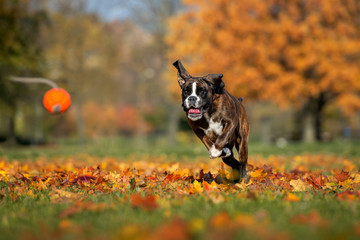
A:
<point x="205" y="139"/>
<point x="219" y="149"/>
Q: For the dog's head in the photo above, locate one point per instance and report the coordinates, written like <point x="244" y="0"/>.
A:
<point x="198" y="92"/>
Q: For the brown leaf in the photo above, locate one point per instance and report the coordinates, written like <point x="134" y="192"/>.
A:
<point x="208" y="177"/>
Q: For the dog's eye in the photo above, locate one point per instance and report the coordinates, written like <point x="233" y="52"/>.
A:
<point x="185" y="92"/>
<point x="203" y="92"/>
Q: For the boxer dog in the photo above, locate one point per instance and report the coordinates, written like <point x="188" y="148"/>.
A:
<point x="216" y="117"/>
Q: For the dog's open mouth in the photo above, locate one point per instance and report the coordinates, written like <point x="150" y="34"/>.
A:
<point x="195" y="113"/>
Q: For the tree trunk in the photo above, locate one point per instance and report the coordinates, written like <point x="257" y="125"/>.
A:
<point x="309" y="128"/>
<point x="318" y="114"/>
<point x="309" y="119"/>
<point x="298" y="128"/>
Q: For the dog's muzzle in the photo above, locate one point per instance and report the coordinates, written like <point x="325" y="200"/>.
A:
<point x="195" y="114"/>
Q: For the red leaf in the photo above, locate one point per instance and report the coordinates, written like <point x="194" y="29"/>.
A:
<point x="317" y="181"/>
<point x="172" y="178"/>
<point x="342" y="176"/>
<point x="82" y="178"/>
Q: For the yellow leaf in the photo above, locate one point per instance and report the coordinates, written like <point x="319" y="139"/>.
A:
<point x="298" y="185"/>
<point x="357" y="178"/>
<point x="292" y="197"/>
<point x="198" y="187"/>
<point x="258" y="173"/>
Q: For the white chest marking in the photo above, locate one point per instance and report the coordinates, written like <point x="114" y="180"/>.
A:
<point x="215" y="127"/>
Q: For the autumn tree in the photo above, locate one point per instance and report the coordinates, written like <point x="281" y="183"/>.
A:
<point x="297" y="53"/>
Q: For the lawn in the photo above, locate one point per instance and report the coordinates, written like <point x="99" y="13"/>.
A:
<point x="112" y="190"/>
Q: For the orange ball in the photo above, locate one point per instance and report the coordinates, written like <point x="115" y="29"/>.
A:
<point x="57" y="100"/>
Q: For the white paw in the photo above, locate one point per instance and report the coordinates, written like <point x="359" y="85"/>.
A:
<point x="227" y="152"/>
<point x="214" y="153"/>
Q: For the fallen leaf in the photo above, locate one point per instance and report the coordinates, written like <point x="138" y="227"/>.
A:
<point x="292" y="197"/>
<point x="298" y="185"/>
<point x="342" y="176"/>
<point x="258" y="174"/>
<point x="147" y="203"/>
<point x="197" y="186"/>
<point x="86" y="178"/>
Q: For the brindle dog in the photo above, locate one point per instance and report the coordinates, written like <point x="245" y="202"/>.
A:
<point x="216" y="117"/>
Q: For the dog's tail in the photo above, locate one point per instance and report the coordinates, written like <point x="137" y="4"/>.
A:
<point x="240" y="99"/>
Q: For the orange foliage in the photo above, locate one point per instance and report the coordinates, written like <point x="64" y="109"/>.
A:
<point x="285" y="51"/>
<point x="109" y="120"/>
<point x="129" y="119"/>
<point x="99" y="119"/>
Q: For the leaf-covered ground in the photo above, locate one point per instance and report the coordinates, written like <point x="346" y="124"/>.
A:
<point x="314" y="196"/>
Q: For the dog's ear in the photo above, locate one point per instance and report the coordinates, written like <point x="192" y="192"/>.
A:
<point x="182" y="75"/>
<point x="216" y="81"/>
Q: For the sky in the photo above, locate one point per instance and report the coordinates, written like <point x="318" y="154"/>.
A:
<point x="110" y="10"/>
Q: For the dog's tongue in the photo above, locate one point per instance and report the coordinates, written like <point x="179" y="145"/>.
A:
<point x="194" y="110"/>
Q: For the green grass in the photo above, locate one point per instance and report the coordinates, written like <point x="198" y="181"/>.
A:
<point x="36" y="217"/>
<point x="124" y="147"/>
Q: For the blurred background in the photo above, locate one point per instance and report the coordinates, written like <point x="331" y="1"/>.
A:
<point x="296" y="63"/>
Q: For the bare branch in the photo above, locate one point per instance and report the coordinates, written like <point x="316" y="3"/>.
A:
<point x="34" y="80"/>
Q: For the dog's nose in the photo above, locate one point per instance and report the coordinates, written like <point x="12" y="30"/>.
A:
<point x="192" y="100"/>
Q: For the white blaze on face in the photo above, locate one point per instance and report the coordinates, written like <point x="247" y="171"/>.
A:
<point x="193" y="94"/>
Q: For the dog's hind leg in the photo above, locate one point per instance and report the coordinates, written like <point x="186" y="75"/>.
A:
<point x="235" y="165"/>
<point x="242" y="147"/>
